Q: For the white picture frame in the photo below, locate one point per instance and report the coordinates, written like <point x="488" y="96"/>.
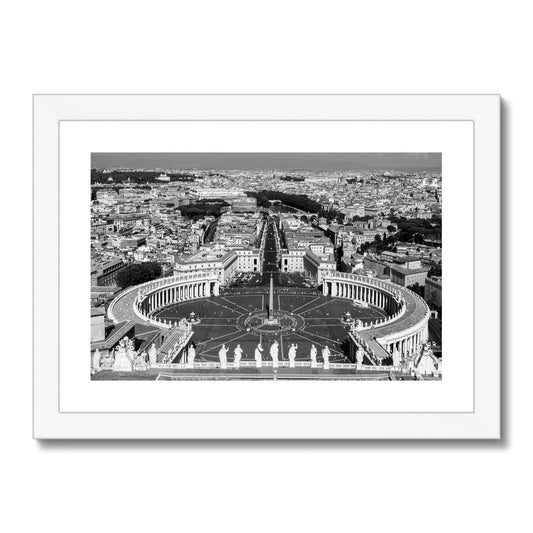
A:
<point x="55" y="116"/>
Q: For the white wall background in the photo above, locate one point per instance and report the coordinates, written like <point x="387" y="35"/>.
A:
<point x="157" y="46"/>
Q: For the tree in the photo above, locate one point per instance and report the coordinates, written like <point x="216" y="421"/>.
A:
<point x="418" y="238"/>
<point x="364" y="247"/>
<point x="202" y="209"/>
<point x="299" y="201"/>
<point x="138" y="273"/>
<point x="416" y="288"/>
<point x="391" y="228"/>
<point x="435" y="271"/>
<point x="404" y="236"/>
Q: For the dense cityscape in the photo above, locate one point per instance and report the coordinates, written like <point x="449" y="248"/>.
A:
<point x="246" y="232"/>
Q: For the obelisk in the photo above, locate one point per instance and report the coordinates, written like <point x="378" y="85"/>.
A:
<point x="271" y="299"/>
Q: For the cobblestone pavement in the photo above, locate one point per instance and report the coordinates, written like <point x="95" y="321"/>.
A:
<point x="219" y="323"/>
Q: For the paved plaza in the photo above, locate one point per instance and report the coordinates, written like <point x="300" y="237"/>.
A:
<point x="223" y="322"/>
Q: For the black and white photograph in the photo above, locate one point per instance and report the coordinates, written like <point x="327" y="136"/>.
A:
<point x="266" y="266"/>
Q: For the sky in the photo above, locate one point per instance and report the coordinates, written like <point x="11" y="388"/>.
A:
<point x="267" y="161"/>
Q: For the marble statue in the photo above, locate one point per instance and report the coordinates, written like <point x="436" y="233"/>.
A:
<point x="129" y="345"/>
<point x="107" y="361"/>
<point x="413" y="358"/>
<point x="358" y="325"/>
<point x="312" y="355"/>
<point x="123" y="357"/>
<point x="359" y="356"/>
<point x="426" y="363"/>
<point x="237" y="356"/>
<point x="274" y="352"/>
<point x="139" y="362"/>
<point x="396" y="357"/>
<point x="152" y="355"/>
<point x="258" y="355"/>
<point x="95" y="362"/>
<point x="223" y="357"/>
<point x="292" y="355"/>
<point x="325" y="355"/>
<point x="191" y="355"/>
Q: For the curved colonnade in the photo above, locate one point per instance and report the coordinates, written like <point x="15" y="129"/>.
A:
<point x="141" y="302"/>
<point x="406" y="327"/>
